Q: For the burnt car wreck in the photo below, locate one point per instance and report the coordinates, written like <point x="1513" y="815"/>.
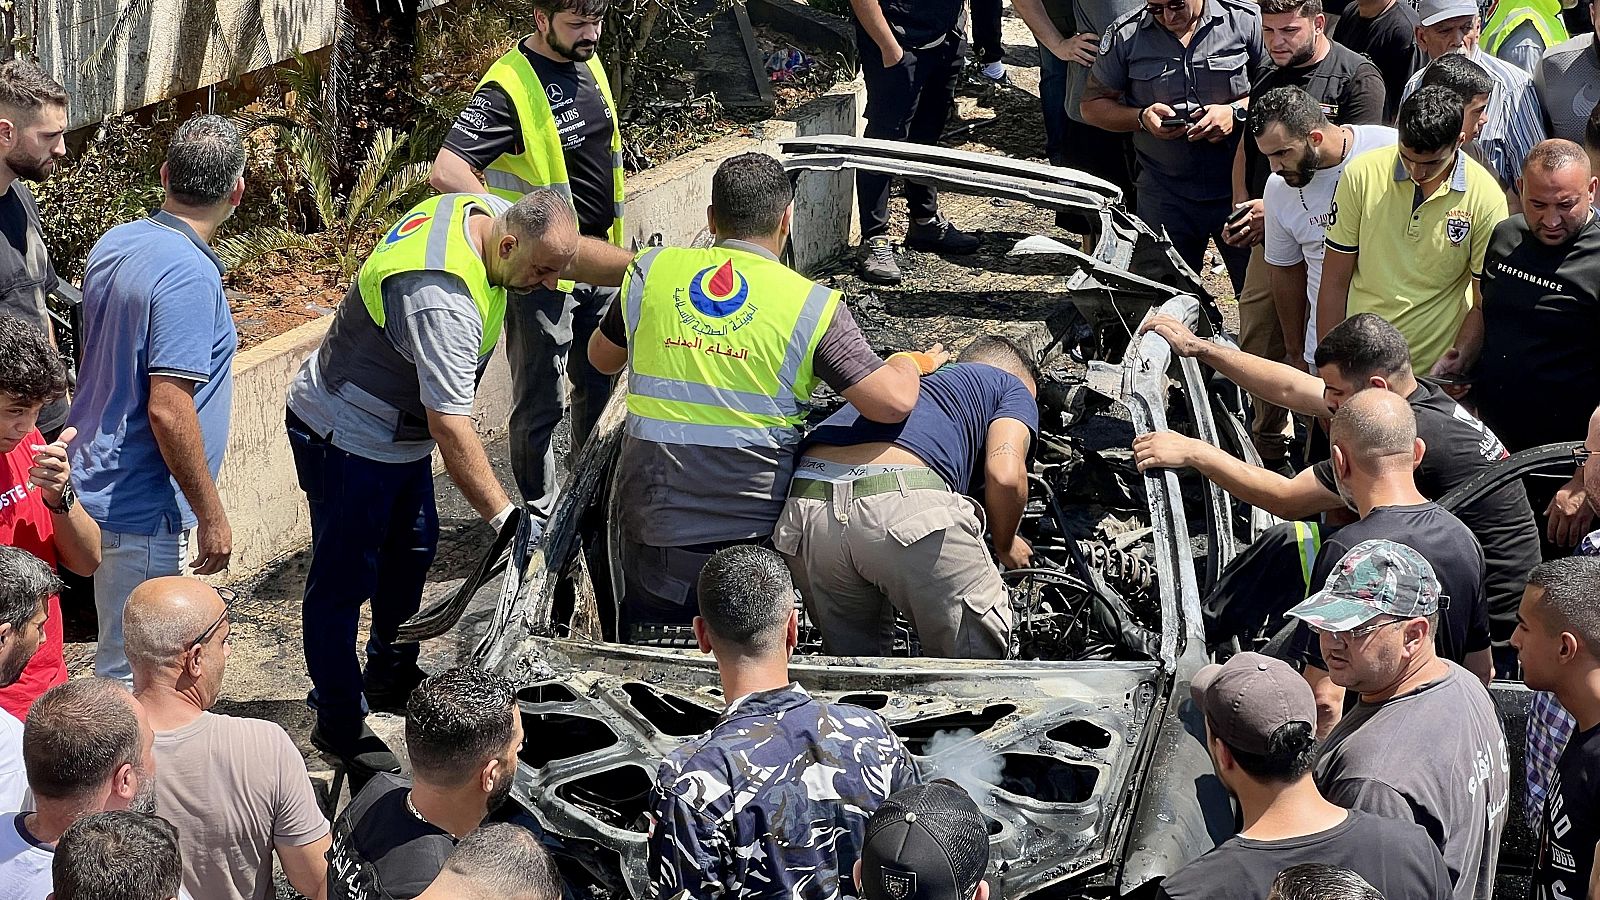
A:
<point x="1083" y="750"/>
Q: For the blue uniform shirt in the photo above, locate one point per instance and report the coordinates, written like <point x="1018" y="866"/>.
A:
<point x="152" y="305"/>
<point x="773" y="801"/>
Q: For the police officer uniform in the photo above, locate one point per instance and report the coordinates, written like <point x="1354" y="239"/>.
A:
<point x="527" y="132"/>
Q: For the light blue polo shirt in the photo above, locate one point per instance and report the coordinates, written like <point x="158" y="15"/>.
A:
<point x="152" y="305"/>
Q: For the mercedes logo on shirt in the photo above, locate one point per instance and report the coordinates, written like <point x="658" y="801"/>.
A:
<point x="555" y="93"/>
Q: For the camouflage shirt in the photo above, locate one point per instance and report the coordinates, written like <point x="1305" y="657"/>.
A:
<point x="773" y="801"/>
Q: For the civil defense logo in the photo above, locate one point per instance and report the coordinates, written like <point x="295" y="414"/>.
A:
<point x="718" y="291"/>
<point x="406" y="226"/>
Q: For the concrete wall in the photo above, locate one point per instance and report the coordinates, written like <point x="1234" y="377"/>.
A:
<point x="665" y="205"/>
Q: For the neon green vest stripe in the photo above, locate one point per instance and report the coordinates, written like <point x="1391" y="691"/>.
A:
<point x="541" y="162"/>
<point x="1508" y="14"/>
<point x="721" y="365"/>
<point x="1309" y="538"/>
<point x="433" y="237"/>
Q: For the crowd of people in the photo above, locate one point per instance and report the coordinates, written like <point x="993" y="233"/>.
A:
<point x="1401" y="331"/>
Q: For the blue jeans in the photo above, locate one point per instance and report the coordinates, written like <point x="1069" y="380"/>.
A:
<point x="126" y="561"/>
<point x="547" y="338"/>
<point x="374" y="533"/>
<point x="1053" y="103"/>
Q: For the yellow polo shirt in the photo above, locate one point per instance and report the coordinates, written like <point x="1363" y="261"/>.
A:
<point x="1415" y="258"/>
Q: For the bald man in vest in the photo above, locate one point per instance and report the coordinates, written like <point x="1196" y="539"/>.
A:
<point x="723" y="346"/>
<point x="543" y="115"/>
<point x="395" y="377"/>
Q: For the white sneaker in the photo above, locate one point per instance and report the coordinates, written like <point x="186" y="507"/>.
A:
<point x="995" y="71"/>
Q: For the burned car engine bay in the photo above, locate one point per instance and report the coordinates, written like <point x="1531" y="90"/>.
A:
<point x="1080" y="749"/>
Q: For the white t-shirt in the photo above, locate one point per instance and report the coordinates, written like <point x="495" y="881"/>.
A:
<point x="24" y="863"/>
<point x="1298" y="219"/>
<point x="13" y="777"/>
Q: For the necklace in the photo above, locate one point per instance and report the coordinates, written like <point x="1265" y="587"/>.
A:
<point x="1343" y="147"/>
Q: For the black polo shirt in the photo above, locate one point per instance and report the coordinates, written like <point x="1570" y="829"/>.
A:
<point x="1347" y="85"/>
<point x="918" y="23"/>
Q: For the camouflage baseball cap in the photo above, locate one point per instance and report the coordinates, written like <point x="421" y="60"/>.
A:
<point x="1375" y="578"/>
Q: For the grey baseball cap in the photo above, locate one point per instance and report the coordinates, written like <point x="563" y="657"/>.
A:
<point x="1432" y="12"/>
<point x="1251" y="696"/>
<point x="1375" y="578"/>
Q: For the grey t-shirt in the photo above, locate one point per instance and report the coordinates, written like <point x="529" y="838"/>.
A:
<point x="432" y="322"/>
<point x="1435" y="756"/>
<point x="27" y="277"/>
<point x="1568" y="82"/>
<point x="1094" y="16"/>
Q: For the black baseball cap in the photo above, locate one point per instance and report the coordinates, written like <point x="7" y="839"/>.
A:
<point x="927" y="842"/>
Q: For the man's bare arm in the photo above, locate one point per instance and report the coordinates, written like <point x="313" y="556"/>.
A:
<point x="467" y="463"/>
<point x="870" y="15"/>
<point x="176" y="427"/>
<point x="1005" y="477"/>
<point x="1286" y="498"/>
<point x="453" y="175"/>
<point x="1288" y="286"/>
<point x="599" y="262"/>
<point x="1279" y="384"/>
<point x="306" y="866"/>
<point x="1333" y="294"/>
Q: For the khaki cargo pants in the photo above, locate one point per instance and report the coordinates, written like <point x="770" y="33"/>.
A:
<point x="920" y="551"/>
<point x="1261" y="334"/>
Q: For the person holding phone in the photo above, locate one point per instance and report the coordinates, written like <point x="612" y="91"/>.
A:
<point x="1177" y="75"/>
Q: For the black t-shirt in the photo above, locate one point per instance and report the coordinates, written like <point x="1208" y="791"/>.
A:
<point x="1389" y="40"/>
<point x="27" y="276"/>
<point x="918" y="23"/>
<point x="1395" y="856"/>
<point x="1447" y="545"/>
<point x="1538" y="377"/>
<point x="1347" y="85"/>
<point x="381" y="851"/>
<point x="1459" y="447"/>
<point x="488" y="129"/>
<point x="1571" y="822"/>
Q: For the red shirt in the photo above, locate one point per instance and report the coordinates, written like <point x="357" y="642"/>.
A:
<point x="26" y="523"/>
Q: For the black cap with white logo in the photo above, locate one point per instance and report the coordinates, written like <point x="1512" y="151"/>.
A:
<point x="927" y="842"/>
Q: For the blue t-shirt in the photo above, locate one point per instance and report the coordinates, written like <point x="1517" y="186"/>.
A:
<point x="948" y="426"/>
<point x="152" y="305"/>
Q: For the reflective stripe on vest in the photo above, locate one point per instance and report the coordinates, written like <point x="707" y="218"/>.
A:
<point x="1508" y="14"/>
<point x="696" y="375"/>
<point x="542" y="162"/>
<point x="434" y="236"/>
<point x="1309" y="539"/>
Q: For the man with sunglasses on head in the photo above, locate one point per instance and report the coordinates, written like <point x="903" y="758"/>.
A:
<point x="1425" y="743"/>
<point x="1176" y="73"/>
<point x="235" y="788"/>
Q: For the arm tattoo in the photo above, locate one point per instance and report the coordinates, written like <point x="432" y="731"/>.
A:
<point x="1005" y="449"/>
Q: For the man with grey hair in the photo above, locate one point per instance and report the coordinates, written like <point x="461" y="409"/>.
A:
<point x="394" y="378"/>
<point x="155" y="395"/>
<point x="26" y="586"/>
<point x="177" y="635"/>
<point x="1558" y="641"/>
<point x="88" y="749"/>
<point x="497" y="862"/>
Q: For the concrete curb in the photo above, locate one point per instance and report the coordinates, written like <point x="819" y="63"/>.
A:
<point x="665" y="206"/>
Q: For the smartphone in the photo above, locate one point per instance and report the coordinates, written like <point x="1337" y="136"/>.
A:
<point x="1237" y="216"/>
<point x="1451" y="379"/>
<point x="1174" y="122"/>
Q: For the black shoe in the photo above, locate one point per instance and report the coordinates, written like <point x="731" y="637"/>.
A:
<point x="390" y="695"/>
<point x="939" y="236"/>
<point x="362" y="753"/>
<point x="878" y="264"/>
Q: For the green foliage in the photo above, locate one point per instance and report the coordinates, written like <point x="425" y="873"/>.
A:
<point x="114" y="180"/>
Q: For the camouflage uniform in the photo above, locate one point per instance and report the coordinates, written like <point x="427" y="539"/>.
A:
<point x="773" y="801"/>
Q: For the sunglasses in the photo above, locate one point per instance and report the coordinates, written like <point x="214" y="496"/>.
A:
<point x="1157" y="10"/>
<point x="227" y="607"/>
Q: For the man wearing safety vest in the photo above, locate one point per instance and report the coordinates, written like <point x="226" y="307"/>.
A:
<point x="543" y="116"/>
<point x="724" y="347"/>
<point x="394" y="377"/>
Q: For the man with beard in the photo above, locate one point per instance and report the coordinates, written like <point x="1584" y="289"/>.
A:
<point x="33" y="125"/>
<point x="26" y="585"/>
<point x="88" y="748"/>
<point x="1350" y="91"/>
<point x="1307" y="154"/>
<point x="463" y="733"/>
<point x="543" y="116"/>
<point x="178" y="635"/>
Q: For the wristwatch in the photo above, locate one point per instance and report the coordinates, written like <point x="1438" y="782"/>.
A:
<point x="1240" y="114"/>
<point x="69" y="499"/>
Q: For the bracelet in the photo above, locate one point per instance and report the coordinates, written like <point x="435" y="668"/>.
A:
<point x="1139" y="122"/>
<point x="923" y="361"/>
